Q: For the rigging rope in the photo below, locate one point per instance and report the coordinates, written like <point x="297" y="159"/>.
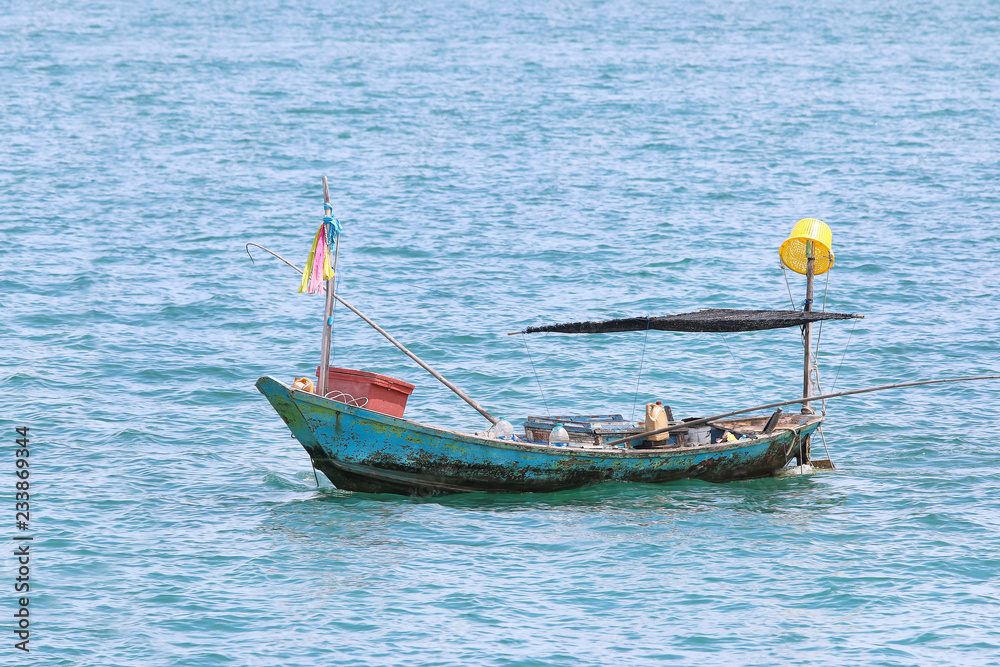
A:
<point x="787" y="284"/>
<point x="814" y="363"/>
<point x="540" y="390"/>
<point x="333" y="317"/>
<point x="814" y="383"/>
<point x="740" y="369"/>
<point x="819" y="336"/>
<point x="333" y="226"/>
<point x="642" y="356"/>
<point x="842" y="358"/>
<point x="814" y="354"/>
<point x="820" y="429"/>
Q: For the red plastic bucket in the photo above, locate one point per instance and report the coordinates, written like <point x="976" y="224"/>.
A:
<point x="385" y="394"/>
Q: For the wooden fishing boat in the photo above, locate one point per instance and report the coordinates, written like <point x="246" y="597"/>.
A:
<point x="362" y="450"/>
<point x="362" y="445"/>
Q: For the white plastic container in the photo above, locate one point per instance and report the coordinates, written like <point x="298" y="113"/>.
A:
<point x="503" y="430"/>
<point x="559" y="436"/>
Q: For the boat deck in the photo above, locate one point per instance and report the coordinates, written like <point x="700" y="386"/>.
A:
<point x="597" y="431"/>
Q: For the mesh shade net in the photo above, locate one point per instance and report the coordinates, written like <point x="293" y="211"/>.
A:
<point x="715" y="320"/>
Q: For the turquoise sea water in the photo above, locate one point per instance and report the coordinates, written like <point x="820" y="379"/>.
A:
<point x="496" y="167"/>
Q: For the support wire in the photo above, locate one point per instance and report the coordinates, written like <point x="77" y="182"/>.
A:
<point x="535" y="371"/>
<point x="834" y="388"/>
<point x="753" y="394"/>
<point x="787" y="284"/>
<point x="642" y="356"/>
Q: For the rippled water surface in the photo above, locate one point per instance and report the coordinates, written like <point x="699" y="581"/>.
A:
<point x="497" y="165"/>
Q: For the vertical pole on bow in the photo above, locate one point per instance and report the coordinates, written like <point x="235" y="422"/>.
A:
<point x="324" y="370"/>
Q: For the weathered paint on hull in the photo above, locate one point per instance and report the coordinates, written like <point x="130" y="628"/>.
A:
<point x="361" y="450"/>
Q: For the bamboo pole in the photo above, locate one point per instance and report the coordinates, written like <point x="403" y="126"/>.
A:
<point x="420" y="362"/>
<point x="371" y="323"/>
<point x="767" y="406"/>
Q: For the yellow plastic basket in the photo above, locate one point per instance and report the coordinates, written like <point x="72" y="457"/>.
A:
<point x="793" y="249"/>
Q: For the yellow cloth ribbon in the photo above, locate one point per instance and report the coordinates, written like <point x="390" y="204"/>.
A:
<point x="310" y="282"/>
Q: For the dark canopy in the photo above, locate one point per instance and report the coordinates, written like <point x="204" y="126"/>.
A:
<point x="716" y="320"/>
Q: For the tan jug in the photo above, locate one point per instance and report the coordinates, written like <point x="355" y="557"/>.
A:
<point x="656" y="418"/>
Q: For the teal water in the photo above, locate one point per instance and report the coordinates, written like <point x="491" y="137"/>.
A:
<point x="496" y="167"/>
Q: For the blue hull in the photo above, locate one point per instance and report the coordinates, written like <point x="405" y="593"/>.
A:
<point x="362" y="450"/>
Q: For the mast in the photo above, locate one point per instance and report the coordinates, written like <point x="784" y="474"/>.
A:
<point x="808" y="251"/>
<point x="807" y="327"/>
<point x="324" y="370"/>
